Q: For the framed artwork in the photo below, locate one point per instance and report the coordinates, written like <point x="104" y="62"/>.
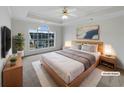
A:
<point x="88" y="32"/>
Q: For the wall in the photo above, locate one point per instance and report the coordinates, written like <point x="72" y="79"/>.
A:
<point x="111" y="32"/>
<point x="4" y="21"/>
<point x="25" y="26"/>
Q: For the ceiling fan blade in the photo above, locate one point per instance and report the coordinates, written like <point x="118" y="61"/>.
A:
<point x="73" y="15"/>
<point x="59" y="12"/>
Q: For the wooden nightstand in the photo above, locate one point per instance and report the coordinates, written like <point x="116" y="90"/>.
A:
<point x="109" y="61"/>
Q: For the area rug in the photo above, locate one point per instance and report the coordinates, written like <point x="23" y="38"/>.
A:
<point x="46" y="81"/>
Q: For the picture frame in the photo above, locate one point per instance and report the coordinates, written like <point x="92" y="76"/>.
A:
<point x="88" y="32"/>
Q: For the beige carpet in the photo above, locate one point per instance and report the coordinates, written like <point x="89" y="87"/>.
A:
<point x="46" y="81"/>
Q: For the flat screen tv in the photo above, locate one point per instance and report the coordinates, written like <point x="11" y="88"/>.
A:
<point x="5" y="41"/>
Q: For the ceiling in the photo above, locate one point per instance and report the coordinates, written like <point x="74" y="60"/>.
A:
<point x="51" y="15"/>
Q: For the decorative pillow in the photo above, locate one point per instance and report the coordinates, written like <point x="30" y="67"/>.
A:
<point x="78" y="47"/>
<point x="89" y="47"/>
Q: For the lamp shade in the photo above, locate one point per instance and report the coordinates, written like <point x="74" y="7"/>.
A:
<point x="68" y="44"/>
<point x="108" y="50"/>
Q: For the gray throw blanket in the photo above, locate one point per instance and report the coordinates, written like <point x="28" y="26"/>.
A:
<point x="85" y="58"/>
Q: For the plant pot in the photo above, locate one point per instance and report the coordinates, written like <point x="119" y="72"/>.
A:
<point x="12" y="63"/>
<point x="20" y="53"/>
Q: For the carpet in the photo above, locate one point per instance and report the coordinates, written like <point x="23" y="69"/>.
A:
<point x="46" y="81"/>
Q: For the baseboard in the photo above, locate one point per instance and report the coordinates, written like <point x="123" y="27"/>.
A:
<point x="40" y="53"/>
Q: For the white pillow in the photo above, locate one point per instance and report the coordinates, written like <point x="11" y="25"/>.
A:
<point x="78" y="47"/>
<point x="89" y="47"/>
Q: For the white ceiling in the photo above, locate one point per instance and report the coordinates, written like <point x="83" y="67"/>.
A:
<point x="51" y="15"/>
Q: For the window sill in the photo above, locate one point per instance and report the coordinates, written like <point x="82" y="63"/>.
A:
<point x="41" y="48"/>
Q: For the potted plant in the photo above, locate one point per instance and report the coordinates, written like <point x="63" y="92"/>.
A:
<point x="19" y="43"/>
<point x="13" y="59"/>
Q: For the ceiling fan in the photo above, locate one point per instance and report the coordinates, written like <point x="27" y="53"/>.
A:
<point x="66" y="12"/>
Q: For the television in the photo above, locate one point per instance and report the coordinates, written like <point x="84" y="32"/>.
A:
<point x="5" y="41"/>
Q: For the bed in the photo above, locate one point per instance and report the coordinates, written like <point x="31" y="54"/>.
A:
<point x="68" y="67"/>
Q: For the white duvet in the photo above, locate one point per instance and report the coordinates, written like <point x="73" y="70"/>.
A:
<point x="66" y="68"/>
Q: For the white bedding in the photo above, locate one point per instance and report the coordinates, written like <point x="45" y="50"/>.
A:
<point x="66" y="68"/>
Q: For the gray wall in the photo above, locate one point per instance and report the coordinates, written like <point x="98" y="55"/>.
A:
<point x="111" y="32"/>
<point x="4" y="21"/>
<point x="25" y="26"/>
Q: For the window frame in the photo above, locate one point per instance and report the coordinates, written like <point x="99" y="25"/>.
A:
<point x="32" y="49"/>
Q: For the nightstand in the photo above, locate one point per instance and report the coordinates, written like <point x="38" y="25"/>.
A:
<point x="109" y="61"/>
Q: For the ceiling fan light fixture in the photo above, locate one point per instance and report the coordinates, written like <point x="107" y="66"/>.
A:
<point x="64" y="17"/>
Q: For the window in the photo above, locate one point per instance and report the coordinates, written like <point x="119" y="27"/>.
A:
<point x="41" y="38"/>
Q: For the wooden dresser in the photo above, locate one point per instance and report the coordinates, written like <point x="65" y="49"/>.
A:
<point x="12" y="76"/>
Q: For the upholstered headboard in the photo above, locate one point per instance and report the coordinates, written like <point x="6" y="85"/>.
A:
<point x="85" y="41"/>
